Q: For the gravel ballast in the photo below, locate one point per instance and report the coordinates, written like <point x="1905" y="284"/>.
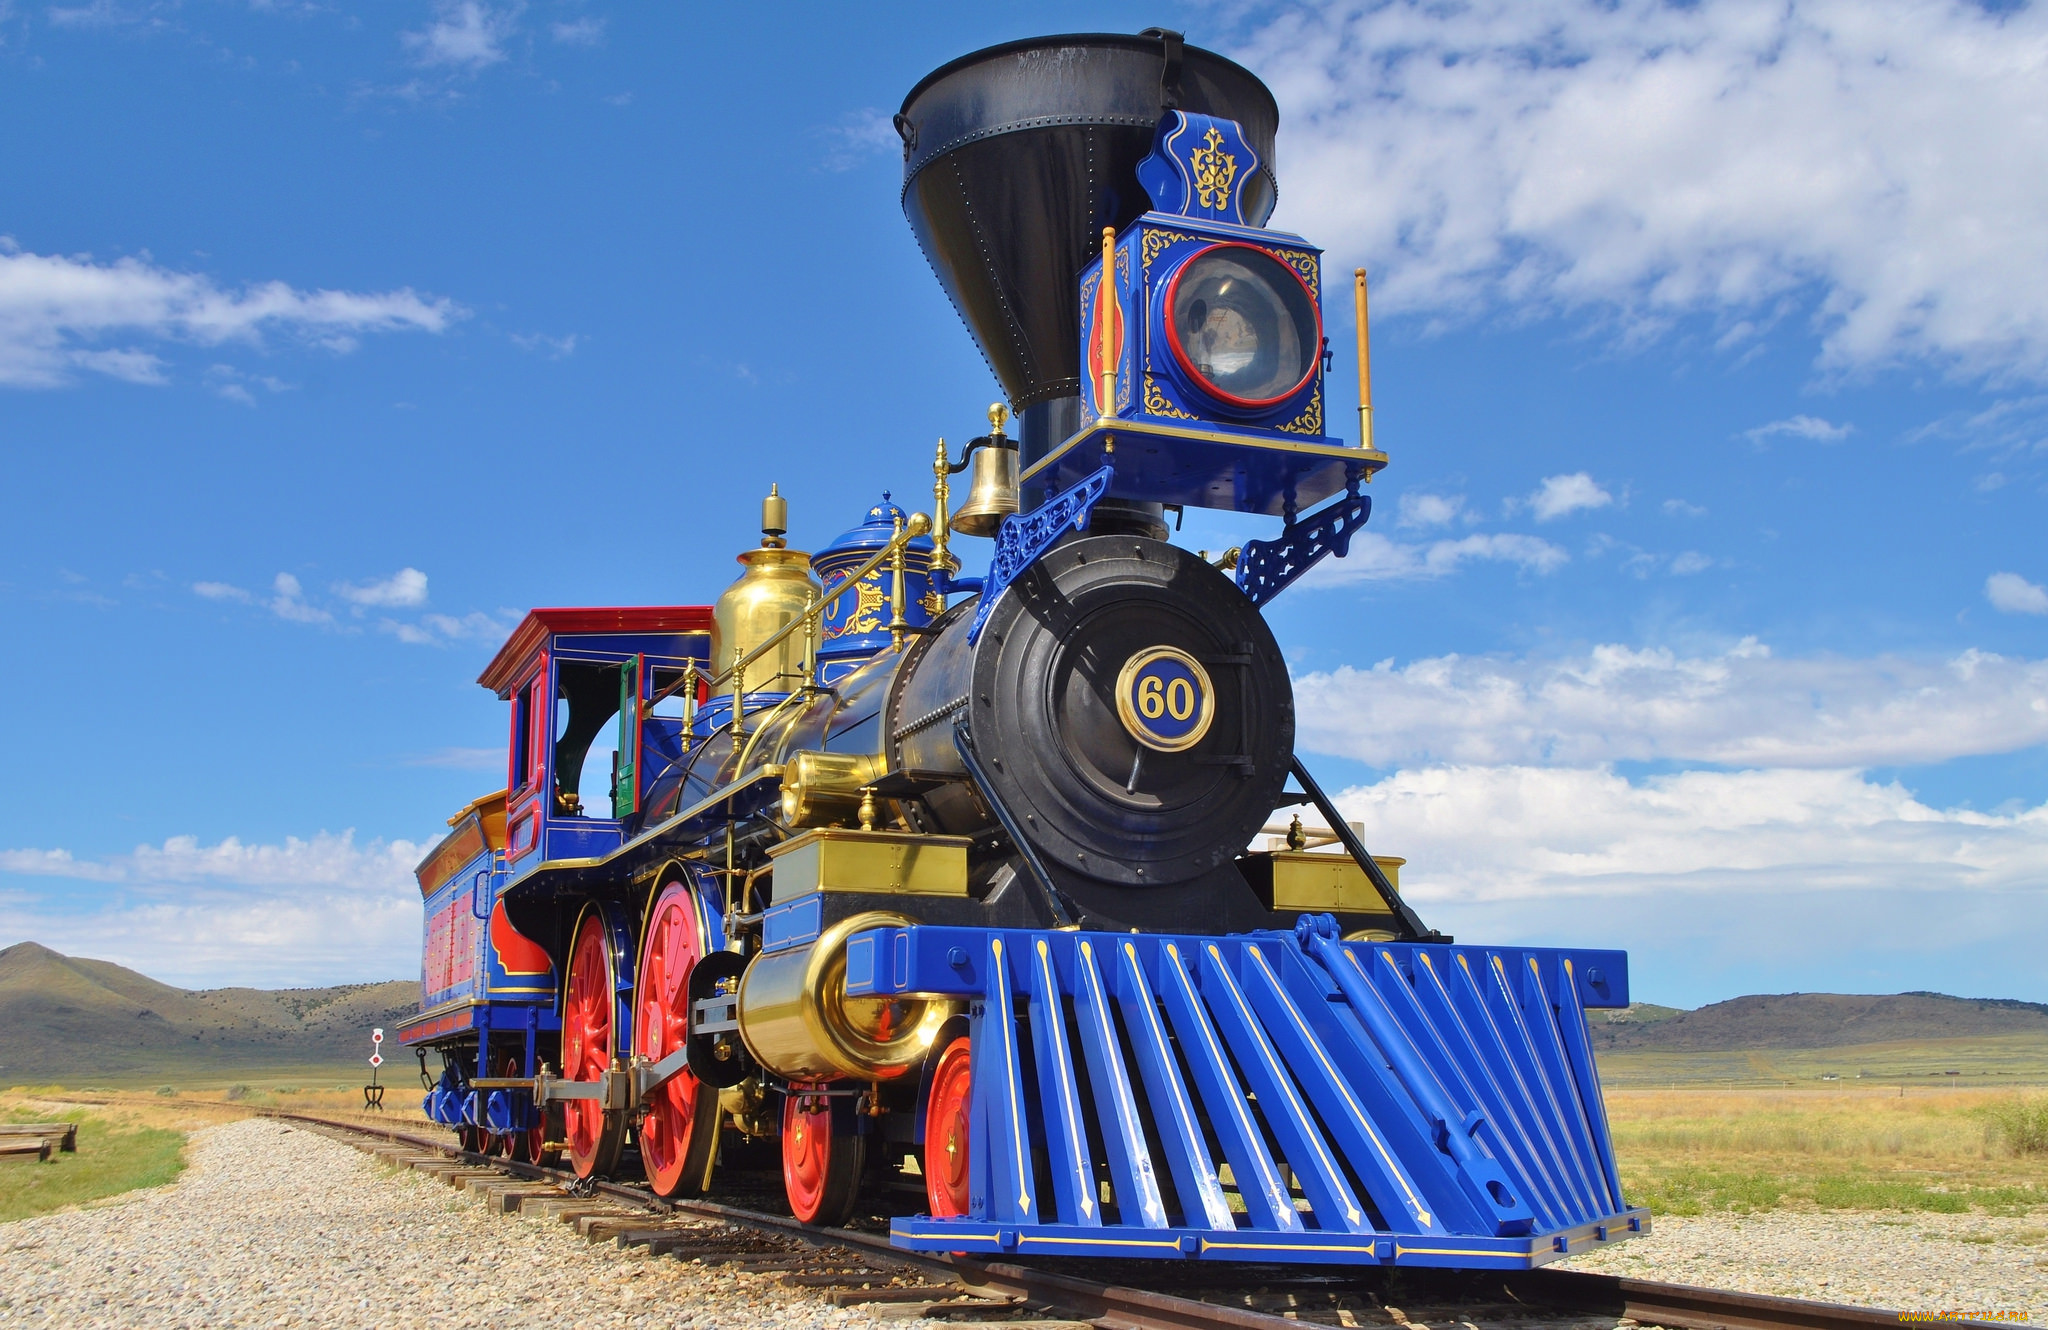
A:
<point x="1905" y="1262"/>
<point x="276" y="1226"/>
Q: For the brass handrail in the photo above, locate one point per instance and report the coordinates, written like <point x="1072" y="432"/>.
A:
<point x="918" y="525"/>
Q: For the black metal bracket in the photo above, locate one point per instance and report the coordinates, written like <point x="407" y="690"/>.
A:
<point x="1411" y="923"/>
<point x="1268" y="567"/>
<point x="1025" y="537"/>
<point x="1055" y="901"/>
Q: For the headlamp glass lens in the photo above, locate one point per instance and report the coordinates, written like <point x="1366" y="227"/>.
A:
<point x="1244" y="324"/>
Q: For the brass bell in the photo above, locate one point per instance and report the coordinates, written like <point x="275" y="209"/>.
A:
<point x="991" y="489"/>
<point x="991" y="480"/>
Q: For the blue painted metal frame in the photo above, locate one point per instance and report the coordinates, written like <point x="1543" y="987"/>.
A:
<point x="1388" y="1103"/>
<point x="1025" y="537"/>
<point x="1268" y="567"/>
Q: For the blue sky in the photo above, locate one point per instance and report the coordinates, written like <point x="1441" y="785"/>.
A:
<point x="1701" y="611"/>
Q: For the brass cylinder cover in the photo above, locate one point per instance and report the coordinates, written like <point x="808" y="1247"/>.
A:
<point x="798" y="1022"/>
<point x="776" y="588"/>
<point x="822" y="788"/>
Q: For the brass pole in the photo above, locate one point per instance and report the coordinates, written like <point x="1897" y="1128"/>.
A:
<point x="897" y="623"/>
<point x="739" y="692"/>
<point x="810" y="652"/>
<point x="1364" y="369"/>
<point x="942" y="491"/>
<point x="689" y="701"/>
<point x="1105" y="393"/>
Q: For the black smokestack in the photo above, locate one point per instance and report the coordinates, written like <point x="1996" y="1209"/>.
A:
<point x="1014" y="160"/>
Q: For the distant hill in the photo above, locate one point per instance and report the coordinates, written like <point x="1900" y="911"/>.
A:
<point x="67" y="1019"/>
<point x="1819" y="1020"/>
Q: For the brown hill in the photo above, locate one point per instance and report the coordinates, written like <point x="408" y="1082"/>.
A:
<point x="65" y="1018"/>
<point x="1824" y="1020"/>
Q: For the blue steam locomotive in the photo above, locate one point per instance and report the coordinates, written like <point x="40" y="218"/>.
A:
<point x="942" y="882"/>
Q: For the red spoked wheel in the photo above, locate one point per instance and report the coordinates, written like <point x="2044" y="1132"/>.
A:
<point x="945" y="1133"/>
<point x="680" y="1131"/>
<point x="822" y="1156"/>
<point x="589" y="1041"/>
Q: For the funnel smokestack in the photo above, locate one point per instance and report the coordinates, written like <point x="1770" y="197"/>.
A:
<point x="1014" y="160"/>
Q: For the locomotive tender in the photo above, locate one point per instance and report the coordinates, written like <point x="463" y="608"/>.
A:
<point x="941" y="883"/>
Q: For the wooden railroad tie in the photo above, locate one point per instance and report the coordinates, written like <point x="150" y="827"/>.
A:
<point x="61" y="1135"/>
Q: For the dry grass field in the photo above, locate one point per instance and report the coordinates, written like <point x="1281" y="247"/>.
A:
<point x="1694" y="1149"/>
<point x="1833" y="1146"/>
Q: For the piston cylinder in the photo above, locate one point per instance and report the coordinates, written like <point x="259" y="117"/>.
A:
<point x="798" y="1022"/>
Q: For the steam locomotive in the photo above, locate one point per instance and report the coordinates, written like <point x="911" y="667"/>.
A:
<point x="943" y="883"/>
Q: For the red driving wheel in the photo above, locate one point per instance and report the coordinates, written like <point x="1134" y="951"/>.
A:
<point x="945" y="1133"/>
<point x="822" y="1156"/>
<point x="588" y="1042"/>
<point x="681" y="1126"/>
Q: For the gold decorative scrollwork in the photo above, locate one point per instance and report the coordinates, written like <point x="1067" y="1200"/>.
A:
<point x="933" y="602"/>
<point x="1305" y="264"/>
<point x="1156" y="403"/>
<point x="1311" y="420"/>
<point x="867" y="611"/>
<point x="1157" y="241"/>
<point x="1215" y="171"/>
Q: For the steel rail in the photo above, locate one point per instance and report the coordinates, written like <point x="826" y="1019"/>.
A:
<point x="1649" y="1302"/>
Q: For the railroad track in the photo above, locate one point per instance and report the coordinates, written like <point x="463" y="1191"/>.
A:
<point x="849" y="1267"/>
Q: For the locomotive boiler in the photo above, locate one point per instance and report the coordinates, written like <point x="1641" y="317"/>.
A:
<point x="955" y="886"/>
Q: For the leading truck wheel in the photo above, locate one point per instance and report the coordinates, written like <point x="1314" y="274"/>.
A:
<point x="589" y="1041"/>
<point x="680" y="1131"/>
<point x="945" y="1133"/>
<point x="822" y="1155"/>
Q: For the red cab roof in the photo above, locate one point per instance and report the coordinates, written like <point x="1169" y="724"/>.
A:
<point x="538" y="625"/>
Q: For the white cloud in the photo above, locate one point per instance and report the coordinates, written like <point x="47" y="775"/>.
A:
<point x="582" y="32"/>
<point x="1800" y="427"/>
<point x="1878" y="163"/>
<point x="435" y="630"/>
<point x="1375" y="558"/>
<point x="2013" y="594"/>
<point x="858" y="136"/>
<point x="289" y="602"/>
<point x="462" y="759"/>
<point x="228" y="382"/>
<point x="53" y="311"/>
<point x="1680" y="508"/>
<point x="1518" y="830"/>
<point x="324" y="909"/>
<point x="221" y="591"/>
<point x="1425" y="510"/>
<point x="557" y="348"/>
<point x="407" y="586"/>
<point x="464" y="33"/>
<point x="1806" y="878"/>
<point x="1690" y="562"/>
<point x="1744" y="707"/>
<point x="1558" y="496"/>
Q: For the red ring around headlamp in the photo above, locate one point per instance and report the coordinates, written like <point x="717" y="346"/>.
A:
<point x="1187" y="366"/>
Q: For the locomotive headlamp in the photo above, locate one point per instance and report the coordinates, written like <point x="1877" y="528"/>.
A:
<point x="1243" y="325"/>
